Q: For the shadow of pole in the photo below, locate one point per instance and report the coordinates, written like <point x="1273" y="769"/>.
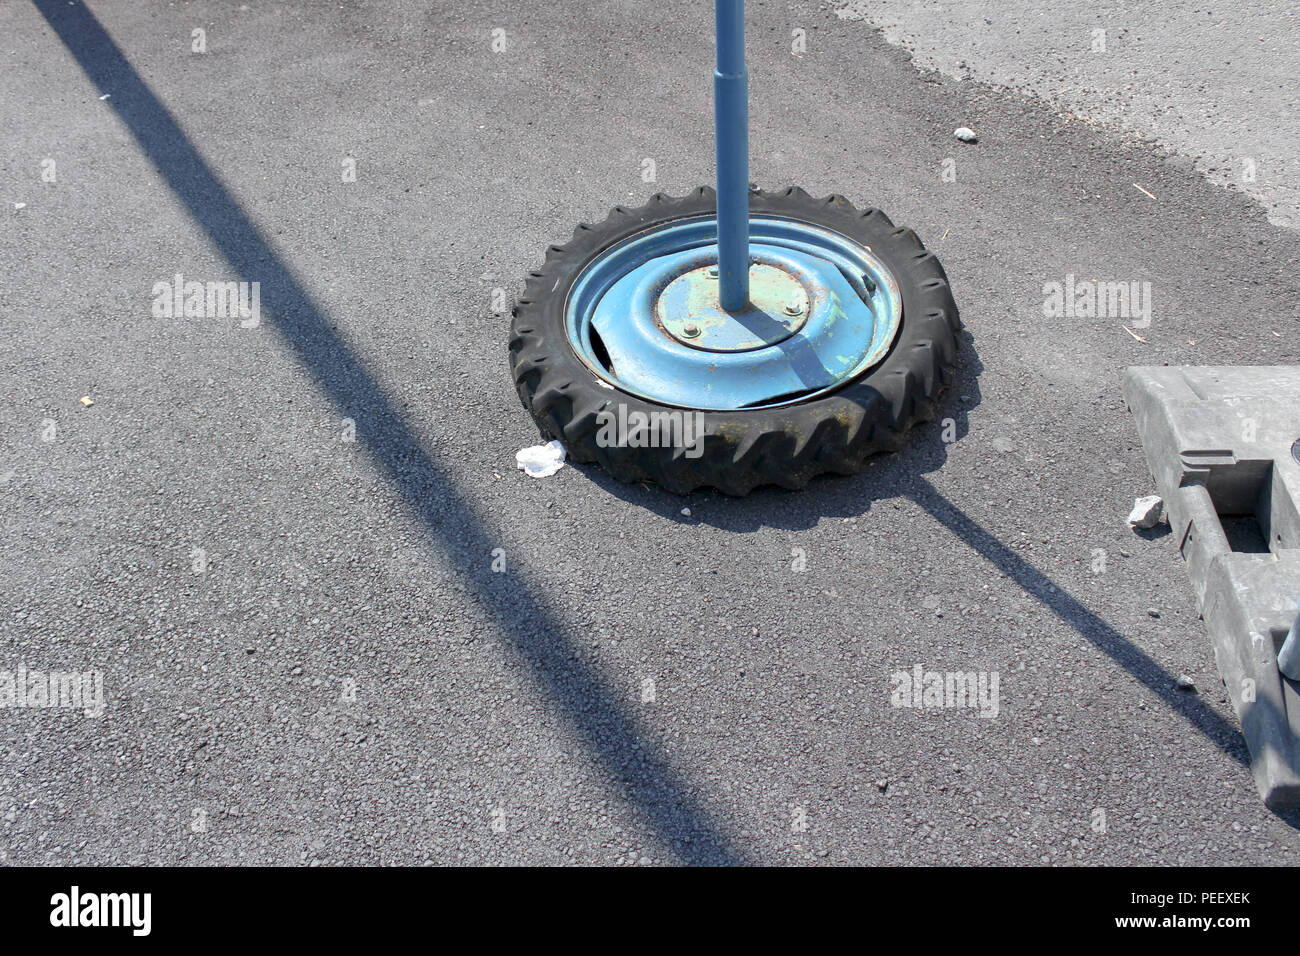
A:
<point x="1104" y="637"/>
<point x="609" y="729"/>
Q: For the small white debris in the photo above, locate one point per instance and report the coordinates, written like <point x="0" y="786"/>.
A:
<point x="1147" y="512"/>
<point x="541" y="461"/>
<point x="1185" y="683"/>
<point x="106" y="96"/>
<point x="686" y="512"/>
<point x="965" y="134"/>
<point x="20" y="205"/>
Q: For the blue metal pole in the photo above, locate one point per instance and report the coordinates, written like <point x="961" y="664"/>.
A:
<point x="731" y="125"/>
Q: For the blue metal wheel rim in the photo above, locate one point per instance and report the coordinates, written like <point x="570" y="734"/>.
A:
<point x="853" y="314"/>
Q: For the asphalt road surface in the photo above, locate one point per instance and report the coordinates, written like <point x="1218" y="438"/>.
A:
<point x="276" y="544"/>
<point x="1216" y="87"/>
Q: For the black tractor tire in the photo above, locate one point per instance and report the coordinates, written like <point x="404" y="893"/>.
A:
<point x="743" y="449"/>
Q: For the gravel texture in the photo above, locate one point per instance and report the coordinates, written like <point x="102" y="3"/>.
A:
<point x="346" y="679"/>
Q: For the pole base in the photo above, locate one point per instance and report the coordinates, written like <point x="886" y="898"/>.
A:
<point x="603" y="359"/>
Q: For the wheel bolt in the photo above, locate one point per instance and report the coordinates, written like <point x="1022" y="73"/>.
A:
<point x="713" y="272"/>
<point x="794" y="308"/>
<point x="691" y="331"/>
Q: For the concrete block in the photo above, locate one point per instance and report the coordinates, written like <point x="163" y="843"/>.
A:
<point x="1221" y="444"/>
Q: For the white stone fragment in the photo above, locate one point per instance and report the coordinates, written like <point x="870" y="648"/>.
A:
<point x="1147" y="512"/>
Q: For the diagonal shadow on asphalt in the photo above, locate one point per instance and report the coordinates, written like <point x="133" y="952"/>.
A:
<point x="611" y="733"/>
<point x="1102" y="636"/>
